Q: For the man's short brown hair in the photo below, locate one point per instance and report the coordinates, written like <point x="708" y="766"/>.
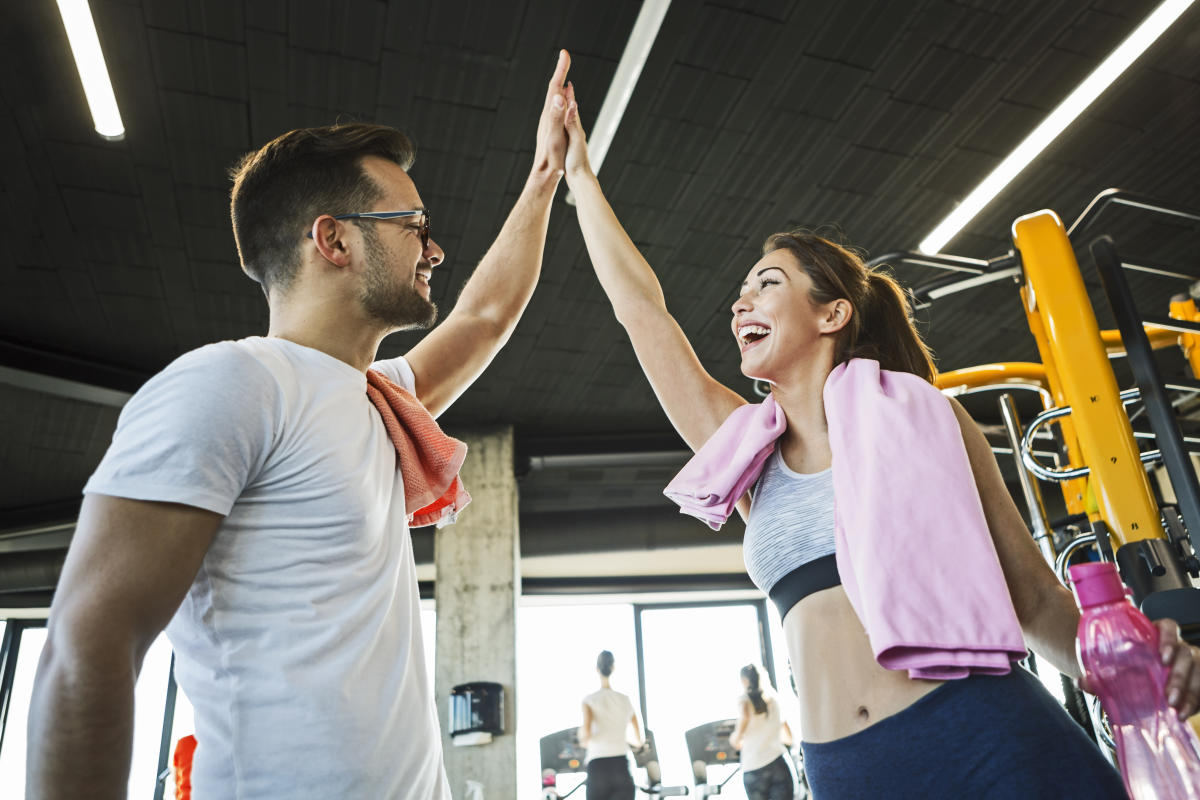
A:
<point x="279" y="189"/>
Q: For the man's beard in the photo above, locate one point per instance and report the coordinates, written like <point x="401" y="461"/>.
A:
<point x="384" y="296"/>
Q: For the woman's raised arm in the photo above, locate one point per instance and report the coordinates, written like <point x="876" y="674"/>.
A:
<point x="694" y="401"/>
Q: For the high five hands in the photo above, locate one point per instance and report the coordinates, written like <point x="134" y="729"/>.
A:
<point x="551" y="148"/>
<point x="561" y="142"/>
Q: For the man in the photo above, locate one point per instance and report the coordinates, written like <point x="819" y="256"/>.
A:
<point x="252" y="496"/>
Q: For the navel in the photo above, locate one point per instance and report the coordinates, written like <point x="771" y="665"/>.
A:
<point x="864" y="715"/>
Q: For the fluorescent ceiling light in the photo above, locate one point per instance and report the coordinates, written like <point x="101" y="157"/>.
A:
<point x="89" y="60"/>
<point x="1053" y="125"/>
<point x="637" y="49"/>
<point x="629" y="69"/>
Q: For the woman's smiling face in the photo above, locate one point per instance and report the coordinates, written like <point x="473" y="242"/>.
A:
<point x="775" y="321"/>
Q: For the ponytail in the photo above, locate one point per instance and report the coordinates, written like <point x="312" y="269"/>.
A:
<point x="881" y="327"/>
<point x="887" y="333"/>
<point x="754" y="691"/>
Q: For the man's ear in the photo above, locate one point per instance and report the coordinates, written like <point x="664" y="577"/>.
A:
<point x="837" y="315"/>
<point x="328" y="235"/>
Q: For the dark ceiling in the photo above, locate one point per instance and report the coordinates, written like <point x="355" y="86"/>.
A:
<point x="871" y="117"/>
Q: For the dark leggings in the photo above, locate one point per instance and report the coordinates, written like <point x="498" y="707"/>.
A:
<point x="772" y="782"/>
<point x="609" y="779"/>
<point x="983" y="738"/>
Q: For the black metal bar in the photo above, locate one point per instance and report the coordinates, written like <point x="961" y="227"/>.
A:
<point x="629" y="584"/>
<point x="164" y="745"/>
<point x="1112" y="197"/>
<point x="1153" y="395"/>
<point x="641" y="661"/>
<point x="24" y="519"/>
<point x="77" y="377"/>
<point x="8" y="670"/>
<point x="1172" y="324"/>
<point x="974" y="266"/>
<point x="764" y="628"/>
<point x="998" y="269"/>
<point x="1159" y="270"/>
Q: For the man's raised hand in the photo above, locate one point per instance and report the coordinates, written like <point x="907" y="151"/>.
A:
<point x="551" y="149"/>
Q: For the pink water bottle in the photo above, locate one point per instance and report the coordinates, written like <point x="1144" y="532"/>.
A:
<point x="1159" y="753"/>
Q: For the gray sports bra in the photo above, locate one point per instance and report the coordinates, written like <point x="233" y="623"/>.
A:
<point x="789" y="544"/>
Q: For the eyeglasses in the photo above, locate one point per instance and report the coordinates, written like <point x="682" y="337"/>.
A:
<point x="422" y="230"/>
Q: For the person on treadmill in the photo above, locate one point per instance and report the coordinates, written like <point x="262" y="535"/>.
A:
<point x="607" y="718"/>
<point x="762" y="736"/>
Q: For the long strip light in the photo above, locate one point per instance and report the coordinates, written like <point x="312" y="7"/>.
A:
<point x="1037" y="141"/>
<point x="629" y="69"/>
<point x="93" y="72"/>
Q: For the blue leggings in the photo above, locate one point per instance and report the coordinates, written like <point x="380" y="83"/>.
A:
<point x="983" y="738"/>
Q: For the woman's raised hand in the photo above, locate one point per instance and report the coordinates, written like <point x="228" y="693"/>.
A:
<point x="577" y="164"/>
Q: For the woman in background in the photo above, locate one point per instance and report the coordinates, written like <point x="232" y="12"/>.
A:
<point x="607" y="716"/>
<point x="762" y="736"/>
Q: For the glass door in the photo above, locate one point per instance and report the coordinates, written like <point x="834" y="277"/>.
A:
<point x="691" y="657"/>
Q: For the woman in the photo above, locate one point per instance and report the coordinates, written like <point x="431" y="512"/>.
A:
<point x="762" y="736"/>
<point x="607" y="715"/>
<point x="806" y="307"/>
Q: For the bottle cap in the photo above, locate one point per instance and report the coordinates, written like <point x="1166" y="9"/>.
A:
<point x="1096" y="583"/>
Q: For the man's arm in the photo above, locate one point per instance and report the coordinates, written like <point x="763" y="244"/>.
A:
<point x="456" y="352"/>
<point x="129" y="566"/>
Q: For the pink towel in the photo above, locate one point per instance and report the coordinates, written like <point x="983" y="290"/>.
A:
<point x="913" y="549"/>
<point x="429" y="460"/>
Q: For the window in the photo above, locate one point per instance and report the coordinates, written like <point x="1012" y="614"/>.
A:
<point x="149" y="701"/>
<point x="691" y="656"/>
<point x="556" y="668"/>
<point x="693" y="659"/>
<point x="28" y="643"/>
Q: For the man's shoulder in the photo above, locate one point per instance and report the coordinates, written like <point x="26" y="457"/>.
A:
<point x="229" y="369"/>
<point x="253" y="359"/>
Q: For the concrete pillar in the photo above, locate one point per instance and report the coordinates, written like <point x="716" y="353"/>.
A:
<point x="477" y="586"/>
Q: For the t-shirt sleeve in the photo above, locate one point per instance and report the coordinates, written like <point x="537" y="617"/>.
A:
<point x="196" y="433"/>
<point x="398" y="371"/>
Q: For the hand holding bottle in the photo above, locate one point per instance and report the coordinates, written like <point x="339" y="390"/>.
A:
<point x="1123" y="660"/>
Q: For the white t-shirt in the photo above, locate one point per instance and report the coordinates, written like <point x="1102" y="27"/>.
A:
<point x="611" y="713"/>
<point x="762" y="741"/>
<point x="299" y="643"/>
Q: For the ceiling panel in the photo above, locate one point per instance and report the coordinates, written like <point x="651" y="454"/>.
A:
<point x="864" y="118"/>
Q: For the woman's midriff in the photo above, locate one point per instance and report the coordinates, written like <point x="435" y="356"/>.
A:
<point x="841" y="687"/>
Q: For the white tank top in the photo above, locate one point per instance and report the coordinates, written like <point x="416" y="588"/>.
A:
<point x="763" y="742"/>
<point x="611" y="712"/>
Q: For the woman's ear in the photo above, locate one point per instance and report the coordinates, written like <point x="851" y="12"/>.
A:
<point x="837" y="315"/>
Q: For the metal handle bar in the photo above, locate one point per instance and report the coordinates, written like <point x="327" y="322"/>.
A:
<point x="1060" y="563"/>
<point x="980" y="272"/>
<point x="1100" y="722"/>
<point x="1120" y="197"/>
<point x="1128" y="397"/>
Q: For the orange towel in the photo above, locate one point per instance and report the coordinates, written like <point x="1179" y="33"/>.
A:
<point x="185" y="752"/>
<point x="429" y="459"/>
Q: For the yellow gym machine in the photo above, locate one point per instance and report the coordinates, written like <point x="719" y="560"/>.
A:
<point x="1100" y="463"/>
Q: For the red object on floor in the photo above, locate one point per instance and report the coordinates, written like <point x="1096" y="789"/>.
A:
<point x="185" y="750"/>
